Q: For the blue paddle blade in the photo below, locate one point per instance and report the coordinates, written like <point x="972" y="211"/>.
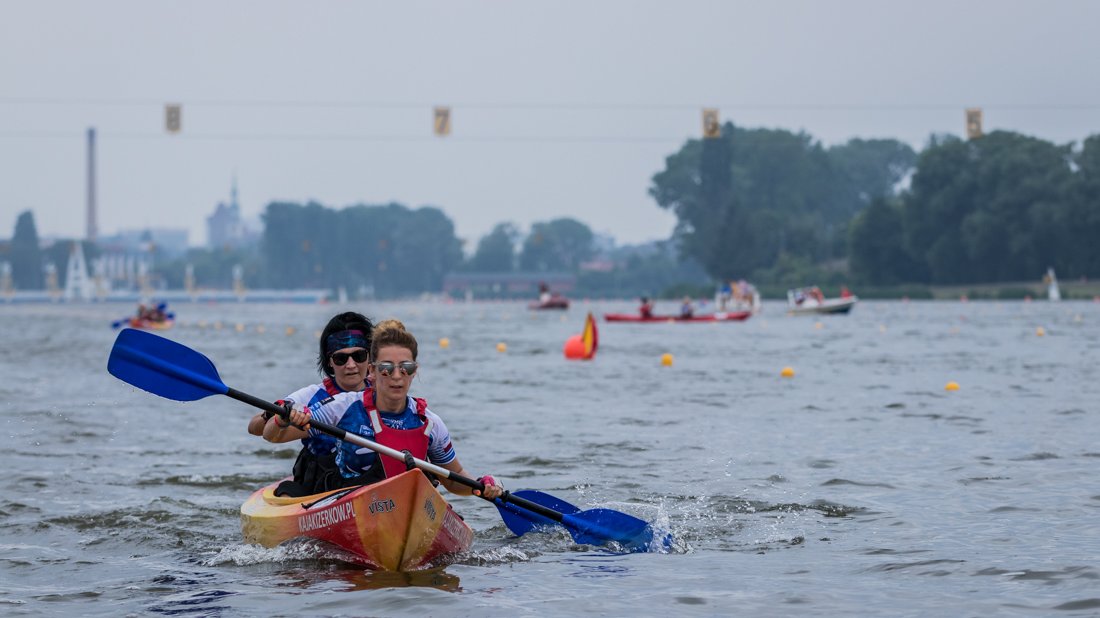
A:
<point x="163" y="367"/>
<point x="598" y="526"/>
<point x="521" y="521"/>
<point x="591" y="527"/>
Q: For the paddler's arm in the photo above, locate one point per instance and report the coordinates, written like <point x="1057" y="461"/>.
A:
<point x="277" y="430"/>
<point x="493" y="489"/>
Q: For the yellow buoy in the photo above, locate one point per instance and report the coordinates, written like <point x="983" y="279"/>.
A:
<point x="444" y="343"/>
<point x="819" y="325"/>
<point x="788" y="372"/>
<point x="501" y="347"/>
<point x="666" y="359"/>
<point x="289" y="331"/>
<point x="951" y="386"/>
<point x="239" y="327"/>
<point x="1039" y="332"/>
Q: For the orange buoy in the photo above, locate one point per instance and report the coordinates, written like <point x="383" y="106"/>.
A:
<point x="574" y="348"/>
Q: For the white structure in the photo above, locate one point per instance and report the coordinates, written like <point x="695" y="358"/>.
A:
<point x="1053" y="293"/>
<point x="78" y="285"/>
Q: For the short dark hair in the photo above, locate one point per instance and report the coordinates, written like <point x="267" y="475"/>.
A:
<point x="349" y="320"/>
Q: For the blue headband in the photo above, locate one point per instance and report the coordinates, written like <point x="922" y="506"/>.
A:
<point x="346" y="339"/>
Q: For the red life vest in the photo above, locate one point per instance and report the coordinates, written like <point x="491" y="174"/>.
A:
<point x="413" y="440"/>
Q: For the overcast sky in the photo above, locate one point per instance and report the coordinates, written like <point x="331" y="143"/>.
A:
<point x="559" y="108"/>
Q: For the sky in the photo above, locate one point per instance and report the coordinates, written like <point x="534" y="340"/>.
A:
<point x="563" y="108"/>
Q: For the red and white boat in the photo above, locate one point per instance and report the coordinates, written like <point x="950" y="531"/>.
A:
<point x="732" y="316"/>
<point x="398" y="524"/>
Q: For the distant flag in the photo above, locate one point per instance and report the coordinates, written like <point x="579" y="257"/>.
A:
<point x="711" y="127"/>
<point x="173" y="117"/>
<point x="973" y="122"/>
<point x="442" y="121"/>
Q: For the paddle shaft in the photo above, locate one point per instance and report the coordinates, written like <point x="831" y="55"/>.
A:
<point x="346" y="436"/>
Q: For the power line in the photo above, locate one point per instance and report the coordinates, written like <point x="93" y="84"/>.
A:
<point x="559" y="106"/>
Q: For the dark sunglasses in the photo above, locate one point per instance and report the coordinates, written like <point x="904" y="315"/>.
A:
<point x="341" y="358"/>
<point x="387" y="368"/>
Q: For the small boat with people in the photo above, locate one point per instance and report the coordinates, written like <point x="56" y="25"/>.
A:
<point x="737" y="296"/>
<point x="148" y="317"/>
<point x="728" y="316"/>
<point x="548" y="300"/>
<point x="810" y="300"/>
<point x="398" y="524"/>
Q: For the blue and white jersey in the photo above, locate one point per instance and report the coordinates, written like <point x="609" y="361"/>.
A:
<point x="313" y="395"/>
<point x="348" y="412"/>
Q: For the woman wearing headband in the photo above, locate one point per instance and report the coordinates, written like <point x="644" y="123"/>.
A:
<point x="386" y="414"/>
<point x="344" y="347"/>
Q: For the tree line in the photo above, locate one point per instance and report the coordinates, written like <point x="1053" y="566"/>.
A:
<point x="768" y="205"/>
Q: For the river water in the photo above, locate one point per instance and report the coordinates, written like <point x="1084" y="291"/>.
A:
<point x="858" y="486"/>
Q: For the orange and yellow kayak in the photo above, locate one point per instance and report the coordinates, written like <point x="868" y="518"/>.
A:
<point x="151" y="324"/>
<point x="399" y="524"/>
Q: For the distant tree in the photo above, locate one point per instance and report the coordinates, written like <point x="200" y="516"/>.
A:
<point x="26" y="256"/>
<point x="877" y="252"/>
<point x="1082" y="216"/>
<point x="988" y="209"/>
<point x="558" y="245"/>
<point x="746" y="198"/>
<point x="496" y="251"/>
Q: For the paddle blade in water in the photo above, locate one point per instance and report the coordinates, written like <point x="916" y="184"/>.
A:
<point x="163" y="367"/>
<point x="521" y="521"/>
<point x="591" y="527"/>
<point x="598" y="526"/>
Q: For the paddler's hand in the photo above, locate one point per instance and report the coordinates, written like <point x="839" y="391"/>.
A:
<point x="493" y="488"/>
<point x="299" y="418"/>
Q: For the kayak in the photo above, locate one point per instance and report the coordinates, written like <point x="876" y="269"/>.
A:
<point x="554" y="303"/>
<point x="150" y="324"/>
<point x="398" y="524"/>
<point x="732" y="316"/>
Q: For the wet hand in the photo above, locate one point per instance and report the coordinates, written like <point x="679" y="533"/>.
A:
<point x="493" y="488"/>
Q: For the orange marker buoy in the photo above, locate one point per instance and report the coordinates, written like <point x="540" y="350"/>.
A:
<point x="583" y="346"/>
<point x="951" y="386"/>
<point x="502" y="347"/>
<point x="444" y="343"/>
<point x="574" y="348"/>
<point x="666" y="359"/>
<point x="787" y="372"/>
<point x="1039" y="332"/>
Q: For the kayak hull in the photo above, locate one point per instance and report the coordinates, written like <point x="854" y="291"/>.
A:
<point x="828" y="306"/>
<point x="399" y="524"/>
<point x="554" y="303"/>
<point x="732" y="316"/>
<point x="150" y="324"/>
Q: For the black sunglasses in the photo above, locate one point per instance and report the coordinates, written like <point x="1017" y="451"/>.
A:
<point x="387" y="368"/>
<point x="341" y="358"/>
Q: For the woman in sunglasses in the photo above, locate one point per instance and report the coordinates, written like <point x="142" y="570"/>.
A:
<point x="344" y="348"/>
<point x="385" y="413"/>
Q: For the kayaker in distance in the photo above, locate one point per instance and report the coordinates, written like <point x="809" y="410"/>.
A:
<point x="687" y="309"/>
<point x="646" y="308"/>
<point x="342" y="360"/>
<point x="384" y="413"/>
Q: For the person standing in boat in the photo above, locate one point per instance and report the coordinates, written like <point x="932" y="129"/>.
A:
<point x="342" y="359"/>
<point x="386" y="414"/>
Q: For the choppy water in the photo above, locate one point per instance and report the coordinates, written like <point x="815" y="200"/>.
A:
<point x="859" y="486"/>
